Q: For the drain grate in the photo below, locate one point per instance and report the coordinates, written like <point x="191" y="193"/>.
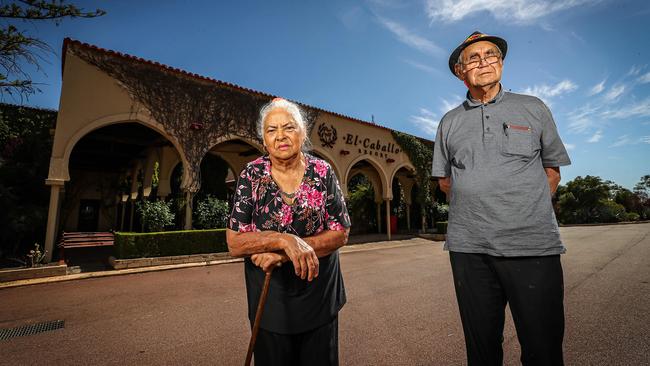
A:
<point x="26" y="330"/>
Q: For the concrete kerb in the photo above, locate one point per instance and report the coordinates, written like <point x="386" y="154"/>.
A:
<point x="70" y="277"/>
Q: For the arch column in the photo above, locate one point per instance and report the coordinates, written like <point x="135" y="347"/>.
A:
<point x="407" y="187"/>
<point x="134" y="192"/>
<point x="52" y="216"/>
<point x="378" y="203"/>
<point x="387" y="200"/>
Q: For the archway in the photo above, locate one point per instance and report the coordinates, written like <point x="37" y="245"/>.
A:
<point x="220" y="168"/>
<point x="364" y="198"/>
<point x="401" y="205"/>
<point x="111" y="168"/>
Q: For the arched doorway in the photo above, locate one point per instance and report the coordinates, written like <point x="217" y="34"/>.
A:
<point x="401" y="205"/>
<point x="365" y="199"/>
<point x="111" y="169"/>
<point x="220" y="168"/>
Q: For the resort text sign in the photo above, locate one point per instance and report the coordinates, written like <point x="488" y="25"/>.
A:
<point x="372" y="145"/>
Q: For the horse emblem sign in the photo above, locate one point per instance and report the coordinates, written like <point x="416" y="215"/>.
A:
<point x="327" y="135"/>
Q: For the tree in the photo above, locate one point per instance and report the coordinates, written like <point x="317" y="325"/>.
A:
<point x="18" y="49"/>
<point x="585" y="200"/>
<point x="642" y="190"/>
<point x="25" y="149"/>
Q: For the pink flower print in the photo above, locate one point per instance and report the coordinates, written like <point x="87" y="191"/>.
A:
<point x="287" y="215"/>
<point x="247" y="228"/>
<point x="267" y="167"/>
<point x="335" y="226"/>
<point x="314" y="198"/>
<point x="320" y="167"/>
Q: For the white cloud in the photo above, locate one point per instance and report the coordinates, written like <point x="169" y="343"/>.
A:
<point x="596" y="89"/>
<point x="449" y="104"/>
<point x="621" y="140"/>
<point x="589" y="117"/>
<point x="645" y="78"/>
<point x="426" y="68"/>
<point x="583" y="119"/>
<point x="614" y="93"/>
<point x="596" y="137"/>
<point x="518" y="11"/>
<point x="641" y="109"/>
<point x="635" y="70"/>
<point x="427" y="121"/>
<point x="410" y="38"/>
<point x="569" y="146"/>
<point x="626" y="140"/>
<point x="546" y="92"/>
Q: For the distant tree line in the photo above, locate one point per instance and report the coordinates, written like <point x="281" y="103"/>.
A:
<point x="594" y="200"/>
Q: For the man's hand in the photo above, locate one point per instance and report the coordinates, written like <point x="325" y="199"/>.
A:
<point x="445" y="184"/>
<point x="302" y="256"/>
<point x="553" y="177"/>
<point x="268" y="261"/>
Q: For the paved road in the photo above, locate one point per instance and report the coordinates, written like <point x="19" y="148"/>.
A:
<point x="401" y="310"/>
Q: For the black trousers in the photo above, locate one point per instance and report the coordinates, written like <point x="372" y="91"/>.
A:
<point x="534" y="288"/>
<point x="316" y="347"/>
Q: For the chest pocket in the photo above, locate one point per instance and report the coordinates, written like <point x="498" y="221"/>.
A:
<point x="517" y="140"/>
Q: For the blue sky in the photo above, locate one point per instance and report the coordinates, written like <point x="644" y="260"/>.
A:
<point x="588" y="60"/>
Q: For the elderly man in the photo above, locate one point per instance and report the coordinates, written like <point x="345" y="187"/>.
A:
<point x="497" y="156"/>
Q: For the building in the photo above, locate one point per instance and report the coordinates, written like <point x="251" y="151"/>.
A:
<point x="125" y="126"/>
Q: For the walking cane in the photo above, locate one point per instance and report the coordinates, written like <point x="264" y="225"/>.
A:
<point x="258" y="316"/>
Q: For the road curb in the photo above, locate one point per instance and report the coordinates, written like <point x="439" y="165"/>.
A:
<point x="121" y="272"/>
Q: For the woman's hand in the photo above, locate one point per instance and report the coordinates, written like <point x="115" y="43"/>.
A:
<point x="302" y="256"/>
<point x="268" y="261"/>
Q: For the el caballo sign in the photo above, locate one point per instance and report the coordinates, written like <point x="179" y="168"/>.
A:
<point x="372" y="145"/>
<point x="365" y="145"/>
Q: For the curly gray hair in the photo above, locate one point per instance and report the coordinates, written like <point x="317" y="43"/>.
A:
<point x="293" y="109"/>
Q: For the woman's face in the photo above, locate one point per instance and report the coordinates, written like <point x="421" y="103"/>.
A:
<point x="283" y="137"/>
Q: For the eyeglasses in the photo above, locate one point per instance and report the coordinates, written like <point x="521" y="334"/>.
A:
<point x="475" y="61"/>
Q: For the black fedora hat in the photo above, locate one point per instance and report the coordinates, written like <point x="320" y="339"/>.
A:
<point x="473" y="38"/>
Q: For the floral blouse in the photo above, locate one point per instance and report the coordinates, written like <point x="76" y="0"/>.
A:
<point x="318" y="204"/>
<point x="293" y="305"/>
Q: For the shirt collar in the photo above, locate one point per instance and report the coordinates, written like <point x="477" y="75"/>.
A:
<point x="472" y="103"/>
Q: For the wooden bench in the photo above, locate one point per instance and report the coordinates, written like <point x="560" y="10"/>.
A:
<point x="84" y="240"/>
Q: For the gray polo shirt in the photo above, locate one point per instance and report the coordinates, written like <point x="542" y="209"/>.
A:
<point x="495" y="154"/>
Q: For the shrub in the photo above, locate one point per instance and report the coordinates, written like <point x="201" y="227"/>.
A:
<point x="211" y="213"/>
<point x="156" y="215"/>
<point x="441" y="211"/>
<point x="632" y="216"/>
<point x="441" y="227"/>
<point x="609" y="211"/>
<point x="161" y="244"/>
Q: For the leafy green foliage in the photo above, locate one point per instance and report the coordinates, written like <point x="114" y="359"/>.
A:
<point x="25" y="148"/>
<point x="441" y="211"/>
<point x="211" y="213"/>
<point x="421" y="156"/>
<point x="17" y="49"/>
<point x="593" y="200"/>
<point x="156" y="215"/>
<point x="139" y="245"/>
<point x="361" y="204"/>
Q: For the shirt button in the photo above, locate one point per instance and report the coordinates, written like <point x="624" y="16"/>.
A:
<point x="487" y="117"/>
<point x="487" y="129"/>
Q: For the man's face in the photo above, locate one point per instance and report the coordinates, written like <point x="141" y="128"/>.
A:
<point x="481" y="64"/>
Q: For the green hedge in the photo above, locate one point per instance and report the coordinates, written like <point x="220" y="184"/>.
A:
<point x="441" y="227"/>
<point x="168" y="243"/>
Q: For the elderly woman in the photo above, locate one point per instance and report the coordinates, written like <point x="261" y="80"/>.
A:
<point x="289" y="213"/>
